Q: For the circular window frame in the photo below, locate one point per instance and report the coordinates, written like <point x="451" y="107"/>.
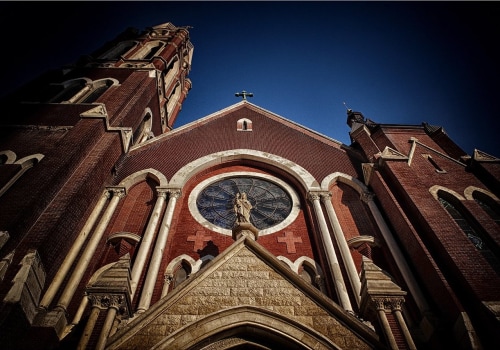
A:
<point x="193" y="196"/>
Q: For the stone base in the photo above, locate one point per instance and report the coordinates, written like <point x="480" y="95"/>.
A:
<point x="245" y="229"/>
<point x="54" y="319"/>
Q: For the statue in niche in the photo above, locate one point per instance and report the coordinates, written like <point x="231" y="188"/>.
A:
<point x="242" y="207"/>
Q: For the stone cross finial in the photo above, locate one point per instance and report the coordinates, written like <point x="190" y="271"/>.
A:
<point x="244" y="94"/>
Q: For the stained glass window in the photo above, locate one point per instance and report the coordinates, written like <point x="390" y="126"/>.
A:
<point x="463" y="223"/>
<point x="270" y="203"/>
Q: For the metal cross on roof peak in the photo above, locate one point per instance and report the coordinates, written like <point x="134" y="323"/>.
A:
<point x="244" y="94"/>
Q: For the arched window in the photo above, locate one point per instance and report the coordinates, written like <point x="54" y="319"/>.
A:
<point x="98" y="88"/>
<point x="181" y="273"/>
<point x="244" y="125"/>
<point x="80" y="90"/>
<point x="178" y="270"/>
<point x="461" y="221"/>
<point x="172" y="100"/>
<point x="491" y="207"/>
<point x="309" y="272"/>
<point x="153" y="50"/>
<point x="171" y="73"/>
<point x="148" y="51"/>
<point x="472" y="230"/>
<point x="119" y="50"/>
<point x="65" y="91"/>
<point x="143" y="132"/>
<point x="17" y="168"/>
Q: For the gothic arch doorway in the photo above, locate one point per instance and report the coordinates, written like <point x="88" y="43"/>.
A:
<point x="245" y="327"/>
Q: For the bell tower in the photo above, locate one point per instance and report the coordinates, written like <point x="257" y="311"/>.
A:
<point x="64" y="134"/>
<point x="166" y="50"/>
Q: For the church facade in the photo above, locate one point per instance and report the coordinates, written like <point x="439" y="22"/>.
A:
<point x="241" y="230"/>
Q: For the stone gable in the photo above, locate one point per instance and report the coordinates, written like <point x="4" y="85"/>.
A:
<point x="244" y="285"/>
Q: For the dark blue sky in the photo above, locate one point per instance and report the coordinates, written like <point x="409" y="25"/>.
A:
<point x="396" y="62"/>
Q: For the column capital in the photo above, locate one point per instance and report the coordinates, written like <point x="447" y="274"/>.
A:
<point x="319" y="281"/>
<point x="388" y="303"/>
<point x="107" y="193"/>
<point x="162" y="191"/>
<point x="367" y="196"/>
<point x="105" y="301"/>
<point x="117" y="191"/>
<point x="317" y="195"/>
<point x="325" y="196"/>
<point x="174" y="192"/>
<point x="168" y="278"/>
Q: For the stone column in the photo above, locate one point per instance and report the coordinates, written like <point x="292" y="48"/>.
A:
<point x="380" y="305"/>
<point x="88" y="253"/>
<point x="73" y="252"/>
<point x="89" y="327"/>
<point x="79" y="312"/>
<point x="396" y="310"/>
<point x="147" y="239"/>
<point x="393" y="247"/>
<point x="113" y="304"/>
<point x="154" y="266"/>
<point x="345" y="252"/>
<point x="167" y="279"/>
<point x="330" y="253"/>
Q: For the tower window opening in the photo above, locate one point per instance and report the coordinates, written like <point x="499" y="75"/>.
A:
<point x="488" y="205"/>
<point x="434" y="164"/>
<point x="152" y="51"/>
<point x="244" y="124"/>
<point x="463" y="223"/>
<point x="483" y="243"/>
<point x="96" y="93"/>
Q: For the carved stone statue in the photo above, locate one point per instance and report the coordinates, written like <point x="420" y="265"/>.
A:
<point x="242" y="207"/>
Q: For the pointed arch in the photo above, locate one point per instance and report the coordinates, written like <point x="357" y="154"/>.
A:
<point x="120" y="50"/>
<point x="80" y="90"/>
<point x="287" y="262"/>
<point x="469" y="193"/>
<point x="8" y="157"/>
<point x="171" y="72"/>
<point x="25" y="164"/>
<point x="141" y="175"/>
<point x="251" y="324"/>
<point x="310" y="271"/>
<point x="434" y="190"/>
<point x="344" y="178"/>
<point x="468" y="225"/>
<point x="244" y="124"/>
<point x="144" y="130"/>
<point x="171" y="279"/>
<point x="202" y="262"/>
<point x="300" y="174"/>
<point x="148" y="51"/>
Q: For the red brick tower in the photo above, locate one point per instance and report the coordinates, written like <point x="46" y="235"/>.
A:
<point x="444" y="210"/>
<point x="61" y="137"/>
